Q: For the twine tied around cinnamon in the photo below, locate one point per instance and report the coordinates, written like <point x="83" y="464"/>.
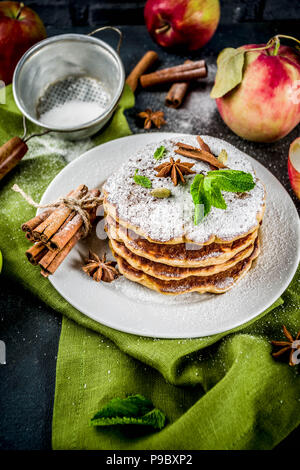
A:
<point x="79" y="205"/>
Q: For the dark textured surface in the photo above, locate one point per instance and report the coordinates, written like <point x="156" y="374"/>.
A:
<point x="62" y="13"/>
<point x="28" y="327"/>
<point x="30" y="331"/>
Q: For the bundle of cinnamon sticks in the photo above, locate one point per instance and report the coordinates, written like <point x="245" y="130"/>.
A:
<point x="179" y="75"/>
<point x="55" y="231"/>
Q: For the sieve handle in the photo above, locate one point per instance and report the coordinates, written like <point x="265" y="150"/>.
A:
<point x="114" y="28"/>
<point x="10" y="154"/>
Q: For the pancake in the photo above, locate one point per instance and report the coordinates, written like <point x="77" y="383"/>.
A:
<point x="167" y="272"/>
<point x="170" y="220"/>
<point x="180" y="255"/>
<point x="111" y="211"/>
<point x="217" y="283"/>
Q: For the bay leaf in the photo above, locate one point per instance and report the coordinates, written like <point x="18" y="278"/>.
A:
<point x="230" y="71"/>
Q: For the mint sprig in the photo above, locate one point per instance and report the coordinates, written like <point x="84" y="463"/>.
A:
<point x="134" y="409"/>
<point x="142" y="180"/>
<point x="206" y="190"/>
<point x="159" y="152"/>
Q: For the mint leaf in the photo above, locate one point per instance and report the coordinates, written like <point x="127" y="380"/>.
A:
<point x="196" y="188"/>
<point x="214" y="194"/>
<point x="230" y="71"/>
<point x="134" y="409"/>
<point x="159" y="152"/>
<point x="201" y="198"/>
<point x="232" y="180"/>
<point x="142" y="180"/>
<point x="206" y="190"/>
<point x="133" y="405"/>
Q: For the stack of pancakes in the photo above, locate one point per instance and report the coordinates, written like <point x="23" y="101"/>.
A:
<point x="155" y="241"/>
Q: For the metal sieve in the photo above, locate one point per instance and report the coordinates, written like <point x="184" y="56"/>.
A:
<point x="85" y="89"/>
<point x="65" y="68"/>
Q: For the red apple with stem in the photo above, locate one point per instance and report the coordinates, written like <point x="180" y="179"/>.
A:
<point x="20" y="28"/>
<point x="294" y="166"/>
<point x="257" y="90"/>
<point x="189" y="23"/>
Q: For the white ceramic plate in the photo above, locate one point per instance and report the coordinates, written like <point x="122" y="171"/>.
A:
<point x="129" y="307"/>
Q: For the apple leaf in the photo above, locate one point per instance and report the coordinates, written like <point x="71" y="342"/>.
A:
<point x="230" y="71"/>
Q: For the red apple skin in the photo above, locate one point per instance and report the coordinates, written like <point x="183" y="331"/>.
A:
<point x="192" y="22"/>
<point x="16" y="36"/>
<point x="261" y="108"/>
<point x="294" y="175"/>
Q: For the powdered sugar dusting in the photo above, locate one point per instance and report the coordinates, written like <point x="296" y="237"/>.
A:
<point x="166" y="219"/>
<point x="129" y="307"/>
<point x="266" y="272"/>
<point x="143" y="294"/>
<point x="71" y="114"/>
<point x="52" y="145"/>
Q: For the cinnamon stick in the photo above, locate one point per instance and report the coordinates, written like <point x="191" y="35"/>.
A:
<point x="48" y="258"/>
<point x="177" y="92"/>
<point x="61" y="229"/>
<point x="187" y="65"/>
<point x="180" y="73"/>
<point x="62" y="237"/>
<point x="186" y="146"/>
<point x="36" y="252"/>
<point x="53" y="260"/>
<point x="50" y="226"/>
<point x="10" y="154"/>
<point x="141" y="67"/>
<point x="202" y="144"/>
<point x="44" y="273"/>
<point x="201" y="155"/>
<point x="37" y="220"/>
<point x="29" y="226"/>
<point x="51" y="254"/>
<point x="29" y="237"/>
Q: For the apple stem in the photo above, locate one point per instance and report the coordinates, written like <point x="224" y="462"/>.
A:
<point x="21" y="6"/>
<point x="275" y="41"/>
<point x="162" y="29"/>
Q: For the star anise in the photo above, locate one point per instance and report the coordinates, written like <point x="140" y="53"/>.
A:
<point x="152" y="117"/>
<point x="174" y="169"/>
<point x="291" y="345"/>
<point x="100" y="269"/>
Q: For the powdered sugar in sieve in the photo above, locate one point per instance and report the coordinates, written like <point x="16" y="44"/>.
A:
<point x="72" y="102"/>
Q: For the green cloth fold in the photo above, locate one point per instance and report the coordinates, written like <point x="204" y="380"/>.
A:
<point x="220" y="392"/>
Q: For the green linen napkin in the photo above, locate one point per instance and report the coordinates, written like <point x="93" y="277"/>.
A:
<point x="219" y="392"/>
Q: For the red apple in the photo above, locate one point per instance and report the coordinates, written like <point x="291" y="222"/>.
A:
<point x="20" y="28"/>
<point x="265" y="106"/>
<point x="190" y="23"/>
<point x="294" y="166"/>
